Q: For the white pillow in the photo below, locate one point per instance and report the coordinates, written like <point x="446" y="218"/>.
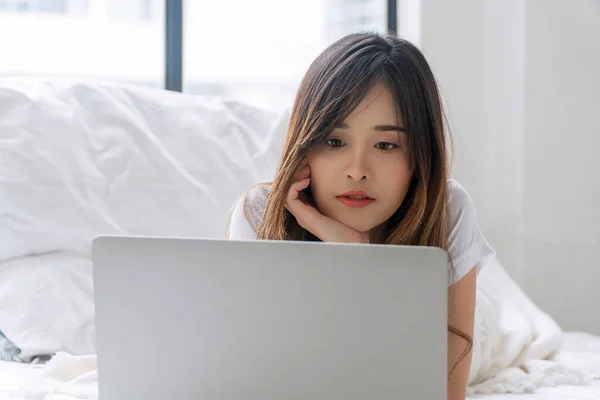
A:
<point x="79" y="159"/>
<point x="46" y="304"/>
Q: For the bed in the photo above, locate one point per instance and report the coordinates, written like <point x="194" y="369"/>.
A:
<point x="81" y="158"/>
<point x="74" y="377"/>
<point x="576" y="342"/>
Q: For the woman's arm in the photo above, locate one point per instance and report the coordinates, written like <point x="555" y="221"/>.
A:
<point x="461" y="315"/>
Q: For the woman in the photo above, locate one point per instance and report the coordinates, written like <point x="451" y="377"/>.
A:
<point x="365" y="161"/>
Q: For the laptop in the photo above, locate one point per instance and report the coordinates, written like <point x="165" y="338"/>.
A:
<point x="209" y="319"/>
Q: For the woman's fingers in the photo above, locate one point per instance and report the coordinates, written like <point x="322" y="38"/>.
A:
<point x="313" y="221"/>
<point x="302" y="173"/>
<point x="307" y="216"/>
<point x="296" y="188"/>
<point x="303" y="212"/>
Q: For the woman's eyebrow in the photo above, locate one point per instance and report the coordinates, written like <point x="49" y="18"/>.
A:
<point x="379" y="128"/>
<point x="385" y="128"/>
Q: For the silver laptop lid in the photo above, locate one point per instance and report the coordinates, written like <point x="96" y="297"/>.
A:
<point x="215" y="319"/>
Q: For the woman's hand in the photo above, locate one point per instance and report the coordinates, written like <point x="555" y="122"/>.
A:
<point x="308" y="217"/>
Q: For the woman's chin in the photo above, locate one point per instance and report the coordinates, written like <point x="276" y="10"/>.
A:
<point x="358" y="226"/>
<point x="355" y="223"/>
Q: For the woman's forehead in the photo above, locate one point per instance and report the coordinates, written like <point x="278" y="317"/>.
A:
<point x="377" y="105"/>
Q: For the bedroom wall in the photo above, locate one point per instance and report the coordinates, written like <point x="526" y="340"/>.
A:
<point x="561" y="181"/>
<point x="521" y="86"/>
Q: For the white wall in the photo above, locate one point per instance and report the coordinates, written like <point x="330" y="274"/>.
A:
<point x="521" y="82"/>
<point x="476" y="49"/>
<point x="561" y="185"/>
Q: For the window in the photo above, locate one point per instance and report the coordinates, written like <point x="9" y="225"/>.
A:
<point x="347" y="16"/>
<point x="252" y="50"/>
<point x="119" y="40"/>
<point x="53" y="6"/>
<point x="257" y="51"/>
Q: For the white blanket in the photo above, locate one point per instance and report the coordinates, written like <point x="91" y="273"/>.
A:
<point x="517" y="349"/>
<point x="65" y="377"/>
<point x="68" y="377"/>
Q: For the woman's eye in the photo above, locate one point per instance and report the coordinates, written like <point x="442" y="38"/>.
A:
<point x="334" y="143"/>
<point x="385" y="146"/>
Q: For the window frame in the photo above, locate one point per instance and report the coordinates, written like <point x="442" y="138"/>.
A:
<point x="174" y="39"/>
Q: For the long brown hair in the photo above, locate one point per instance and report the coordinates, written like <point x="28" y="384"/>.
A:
<point x="333" y="86"/>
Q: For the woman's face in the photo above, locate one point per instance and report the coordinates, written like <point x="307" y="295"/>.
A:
<point x="361" y="174"/>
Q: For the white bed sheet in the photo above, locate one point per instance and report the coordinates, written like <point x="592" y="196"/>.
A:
<point x="573" y="342"/>
<point x="549" y="393"/>
<point x="14" y="376"/>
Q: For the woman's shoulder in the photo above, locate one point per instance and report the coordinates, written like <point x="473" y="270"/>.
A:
<point x="466" y="244"/>
<point x="256" y="196"/>
<point x="461" y="209"/>
<point x="458" y="197"/>
<point x="248" y="212"/>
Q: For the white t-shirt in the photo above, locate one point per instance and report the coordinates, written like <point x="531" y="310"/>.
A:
<point x="467" y="247"/>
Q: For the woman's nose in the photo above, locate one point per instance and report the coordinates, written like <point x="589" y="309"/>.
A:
<point x="357" y="167"/>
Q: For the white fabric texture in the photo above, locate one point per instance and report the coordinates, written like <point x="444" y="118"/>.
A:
<point x="517" y="346"/>
<point x="466" y="245"/>
<point x="116" y="159"/>
<point x="68" y="377"/>
<point x="79" y="159"/>
<point x="46" y="304"/>
<point x="65" y="377"/>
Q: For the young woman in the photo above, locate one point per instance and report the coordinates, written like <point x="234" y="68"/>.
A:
<point x="366" y="161"/>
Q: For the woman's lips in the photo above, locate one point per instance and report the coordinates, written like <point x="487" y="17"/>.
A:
<point x="355" y="199"/>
